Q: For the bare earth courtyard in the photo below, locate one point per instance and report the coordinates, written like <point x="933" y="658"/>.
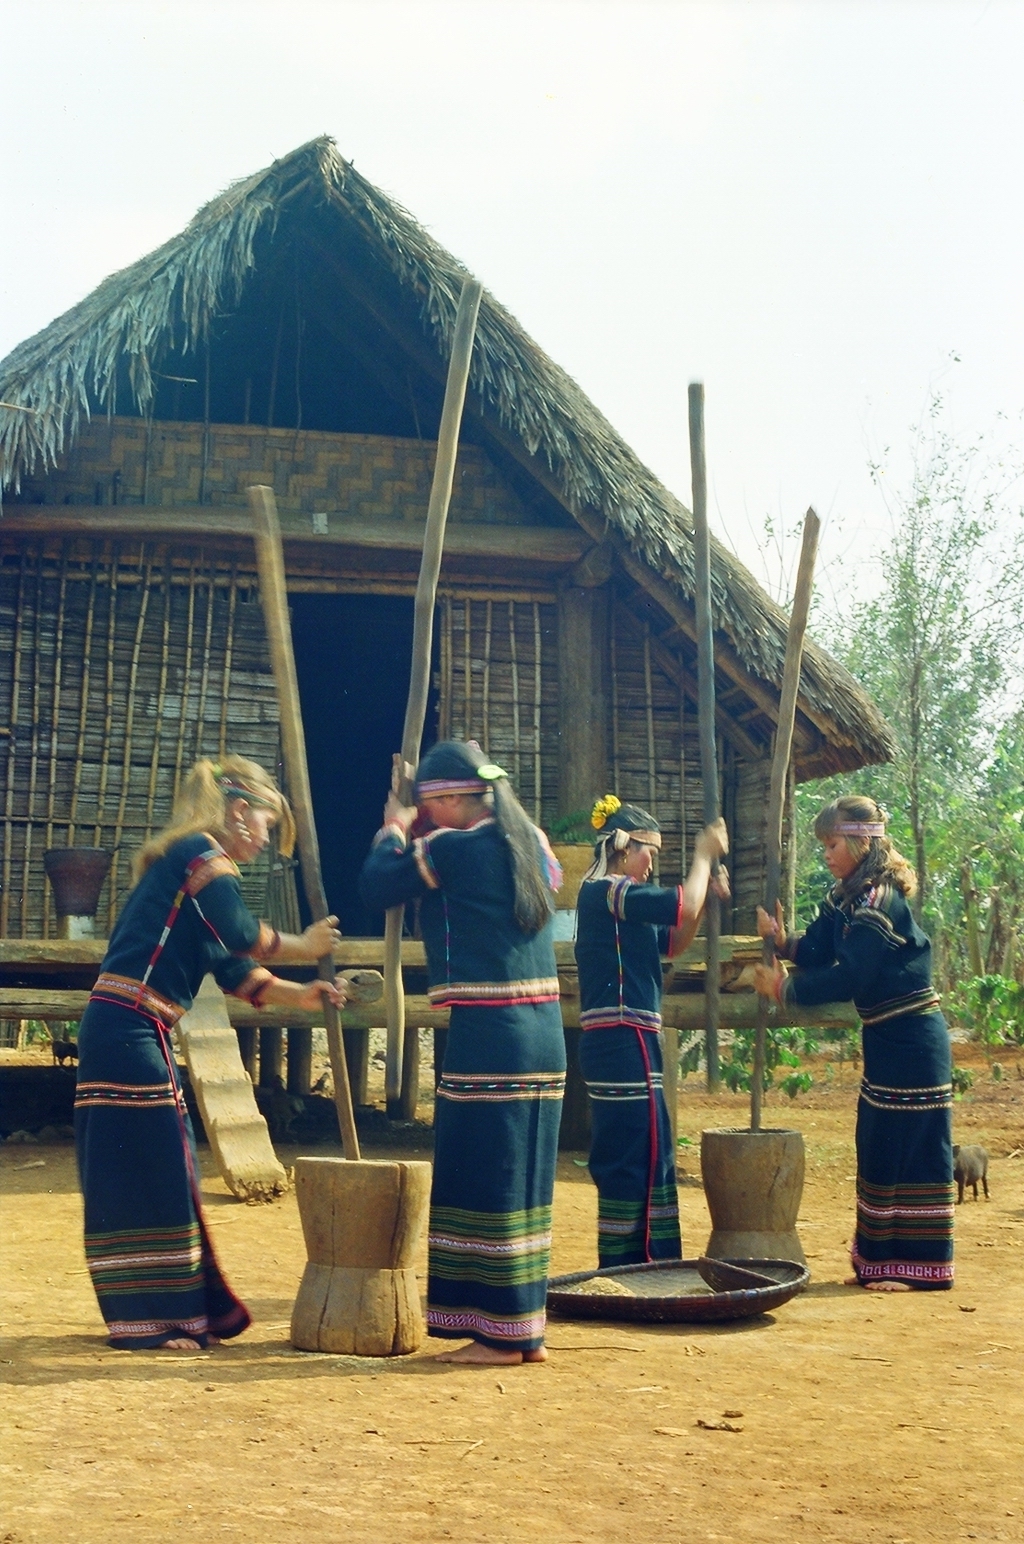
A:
<point x="862" y="1416"/>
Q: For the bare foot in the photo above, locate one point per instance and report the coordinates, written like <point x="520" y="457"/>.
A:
<point x="540" y="1355"/>
<point x="212" y="1340"/>
<point x="182" y="1344"/>
<point x="476" y="1354"/>
<point x="878" y="1286"/>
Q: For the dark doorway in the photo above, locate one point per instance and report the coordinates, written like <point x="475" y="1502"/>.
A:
<point x="352" y="657"/>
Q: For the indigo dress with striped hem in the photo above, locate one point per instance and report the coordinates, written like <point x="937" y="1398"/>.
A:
<point x="622" y="932"/>
<point x="868" y="947"/>
<point x="499" y="1099"/>
<point x="147" y="1246"/>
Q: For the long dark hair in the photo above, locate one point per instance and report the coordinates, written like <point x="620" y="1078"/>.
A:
<point x="533" y="904"/>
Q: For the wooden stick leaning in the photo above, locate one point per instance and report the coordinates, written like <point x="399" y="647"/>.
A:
<point x="422" y="640"/>
<point x="274" y="597"/>
<point x="706" y="721"/>
<point x="777" y="787"/>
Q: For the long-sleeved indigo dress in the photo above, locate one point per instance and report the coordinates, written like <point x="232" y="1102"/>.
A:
<point x="868" y="948"/>
<point x="146" y="1242"/>
<point x="622" y="932"/>
<point x="499" y="1099"/>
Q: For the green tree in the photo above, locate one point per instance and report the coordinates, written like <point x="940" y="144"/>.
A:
<point x="937" y="645"/>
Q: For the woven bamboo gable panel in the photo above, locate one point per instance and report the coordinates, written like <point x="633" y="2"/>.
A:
<point x="368" y="476"/>
<point x="121" y="665"/>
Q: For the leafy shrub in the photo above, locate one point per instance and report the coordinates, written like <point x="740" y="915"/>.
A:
<point x="963" y="1078"/>
<point x="995" y="1010"/>
<point x="573" y="828"/>
<point x="783" y="1049"/>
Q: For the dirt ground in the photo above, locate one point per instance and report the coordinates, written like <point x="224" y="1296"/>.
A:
<point x="864" y="1417"/>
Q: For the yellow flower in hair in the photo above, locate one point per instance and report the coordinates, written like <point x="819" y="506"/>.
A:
<point x="602" y="809"/>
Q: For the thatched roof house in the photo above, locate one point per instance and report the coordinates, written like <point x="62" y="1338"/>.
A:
<point x="297" y="332"/>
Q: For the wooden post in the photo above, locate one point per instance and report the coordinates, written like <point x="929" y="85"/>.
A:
<point x="422" y="640"/>
<point x="274" y="597"/>
<point x="271" y="1048"/>
<point x="777" y="787"/>
<point x="247" y="1050"/>
<point x="410" y="1072"/>
<point x="300" y="1060"/>
<point x="706" y="717"/>
<point x="357" y="1057"/>
<point x="583" y="616"/>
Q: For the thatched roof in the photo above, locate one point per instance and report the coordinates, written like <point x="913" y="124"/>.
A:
<point x="169" y="300"/>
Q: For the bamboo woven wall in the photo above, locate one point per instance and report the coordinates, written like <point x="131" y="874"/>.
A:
<point x="499" y="685"/>
<point x="655" y="761"/>
<point x="120" y="667"/>
<point x="123" y="664"/>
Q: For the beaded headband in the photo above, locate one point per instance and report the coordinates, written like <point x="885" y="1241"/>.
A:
<point x="444" y="785"/>
<point x="233" y="790"/>
<point x="486" y="775"/>
<point x="860" y="828"/>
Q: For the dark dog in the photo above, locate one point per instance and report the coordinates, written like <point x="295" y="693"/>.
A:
<point x="63" y="1050"/>
<point x="279" y="1109"/>
<point x="970" y="1164"/>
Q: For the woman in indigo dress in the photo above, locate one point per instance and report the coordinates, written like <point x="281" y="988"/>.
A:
<point x="625" y="925"/>
<point x="865" y="945"/>
<point x="146" y="1242"/>
<point x="483" y="875"/>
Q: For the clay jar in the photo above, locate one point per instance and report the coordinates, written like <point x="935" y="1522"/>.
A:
<point x="753" y="1181"/>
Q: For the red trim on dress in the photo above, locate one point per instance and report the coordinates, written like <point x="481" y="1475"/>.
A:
<point x="267" y="943"/>
<point x="203" y="870"/>
<point x="251" y="987"/>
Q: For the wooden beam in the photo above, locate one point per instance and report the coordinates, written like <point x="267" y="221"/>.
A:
<point x="55" y="954"/>
<point x="546" y="546"/>
<point x="594" y="567"/>
<point x="685" y="1010"/>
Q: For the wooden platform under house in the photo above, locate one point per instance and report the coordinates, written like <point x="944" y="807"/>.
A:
<point x="296" y="333"/>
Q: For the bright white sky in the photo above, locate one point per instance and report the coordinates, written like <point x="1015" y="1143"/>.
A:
<point x="811" y="206"/>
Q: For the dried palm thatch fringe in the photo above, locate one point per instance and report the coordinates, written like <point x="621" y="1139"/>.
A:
<point x="168" y="299"/>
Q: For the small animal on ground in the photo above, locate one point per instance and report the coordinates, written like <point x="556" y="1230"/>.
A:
<point x="63" y="1050"/>
<point x="280" y="1109"/>
<point x="970" y="1164"/>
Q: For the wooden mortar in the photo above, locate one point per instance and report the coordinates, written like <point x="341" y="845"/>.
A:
<point x="362" y="1222"/>
<point x="753" y="1181"/>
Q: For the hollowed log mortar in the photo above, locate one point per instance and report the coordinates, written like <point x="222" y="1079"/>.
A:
<point x="362" y="1224"/>
<point x="753" y="1181"/>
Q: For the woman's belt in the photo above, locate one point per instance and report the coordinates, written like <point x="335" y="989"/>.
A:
<point x="494" y="994"/>
<point x="126" y="992"/>
<point x="620" y="1017"/>
<point x="926" y="1001"/>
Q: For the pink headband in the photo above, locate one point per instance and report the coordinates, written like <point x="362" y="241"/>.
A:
<point x="443" y="785"/>
<point x="860" y="828"/>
